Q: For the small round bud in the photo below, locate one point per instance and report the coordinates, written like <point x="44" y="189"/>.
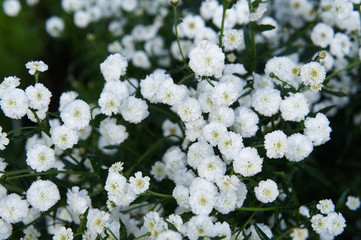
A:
<point x="231" y="57"/>
<point x="174" y="2"/>
<point x="272" y="75"/>
<point x="322" y="54"/>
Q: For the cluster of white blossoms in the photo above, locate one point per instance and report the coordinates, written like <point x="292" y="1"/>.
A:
<point x="233" y="130"/>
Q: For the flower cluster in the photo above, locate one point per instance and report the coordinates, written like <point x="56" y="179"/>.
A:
<point x="202" y="129"/>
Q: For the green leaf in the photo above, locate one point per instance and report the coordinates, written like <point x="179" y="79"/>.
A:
<point x="335" y="93"/>
<point x="262" y="27"/>
<point x="247" y="41"/>
<point x="248" y="236"/>
<point x="255" y="3"/>
<point x="112" y="147"/>
<point x="260" y="233"/>
<point x="327" y="109"/>
<point x="171" y="226"/>
<point x="315" y="173"/>
<point x="342" y="199"/>
<point x="122" y="231"/>
<point x="82" y="223"/>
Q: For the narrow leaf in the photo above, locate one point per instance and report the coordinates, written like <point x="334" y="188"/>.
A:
<point x="122" y="231"/>
<point x="260" y="233"/>
<point x="262" y="27"/>
<point x="313" y="172"/>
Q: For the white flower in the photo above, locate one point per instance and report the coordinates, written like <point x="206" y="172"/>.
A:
<point x="319" y="223"/>
<point x="207" y="59"/>
<point x="313" y="74"/>
<point x="169" y="128"/>
<point x="115" y="134"/>
<point x="13" y="209"/>
<point x="228" y="183"/>
<point x="226" y="202"/>
<point x="230" y="145"/>
<point x="230" y="19"/>
<point x="42" y="195"/>
<point x="200" y="225"/>
<point x="214" y="132"/>
<point x="38" y="95"/>
<point x="169" y="235"/>
<point x="299" y="234"/>
<point x="8" y="83"/>
<point x="64" y="137"/>
<point x="109" y="103"/>
<point x="266" y="101"/>
<point x="5" y="229"/>
<point x="211" y="168"/>
<point x="191" y="25"/>
<point x="232" y="39"/>
<point x="246" y="122"/>
<point x="282" y="67"/>
<point x="340" y="45"/>
<point x="3" y="139"/>
<point x="78" y="201"/>
<point x="36" y="66"/>
<point x="140" y="59"/>
<point x="322" y="35"/>
<point x="265" y="229"/>
<point x="225" y="94"/>
<point x="247" y="162"/>
<point x="76" y="114"/>
<point x="150" y="85"/>
<point x="139" y="184"/>
<point x="325" y="206"/>
<point x="194" y="129"/>
<point x="54" y="26"/>
<point x="115" y="183"/>
<point x="304" y="211"/>
<point x="11" y="7"/>
<point x="81" y="18"/>
<point x="134" y="110"/>
<point x="65" y="98"/>
<point x="63" y="234"/>
<point x="113" y="67"/>
<point x="299" y="147"/>
<point x="353" y="203"/>
<point x="97" y="221"/>
<point x="207" y="8"/>
<point x="158" y="171"/>
<point x="197" y="152"/>
<point x="266" y="191"/>
<point x="222" y="115"/>
<point x="181" y="195"/>
<point x="335" y="223"/>
<point x="14" y="103"/>
<point x="317" y="129"/>
<point x="294" y="108"/>
<point x="189" y="109"/>
<point x="170" y="93"/>
<point x="275" y="144"/>
<point x="40" y="158"/>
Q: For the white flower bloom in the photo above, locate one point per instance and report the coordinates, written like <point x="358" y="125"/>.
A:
<point x="118" y="88"/>
<point x="245" y="122"/>
<point x="214" y="132"/>
<point x="3" y="140"/>
<point x="40" y="158"/>
<point x="230" y="19"/>
<point x="36" y="66"/>
<point x="109" y="103"/>
<point x="115" y="184"/>
<point x="197" y="152"/>
<point x="113" y="67"/>
<point x="206" y="33"/>
<point x="353" y="203"/>
<point x="232" y="39"/>
<point x="222" y="115"/>
<point x="13" y="209"/>
<point x="113" y="133"/>
<point x="226" y="202"/>
<point x="294" y="107"/>
<point x="276" y="144"/>
<point x="230" y="145"/>
<point x="299" y="234"/>
<point x="191" y="25"/>
<point x="54" y="26"/>
<point x="81" y="18"/>
<point x="189" y="109"/>
<point x="140" y="59"/>
<point x="134" y="110"/>
<point x="65" y="98"/>
<point x="322" y="35"/>
<point x="169" y="128"/>
<point x="266" y="229"/>
<point x="211" y="168"/>
<point x="282" y="67"/>
<point x="266" y="101"/>
<point x="150" y="85"/>
<point x="194" y="129"/>
<point x="139" y="184"/>
<point x="228" y="183"/>
<point x="200" y="225"/>
<point x="76" y="114"/>
<point x="266" y="191"/>
<point x="97" y="221"/>
<point x="158" y="171"/>
<point x="5" y="229"/>
<point x="304" y="211"/>
<point x="64" y="137"/>
<point x="11" y="7"/>
<point x="319" y="223"/>
<point x="169" y="235"/>
<point x="317" y="129"/>
<point x="14" y="103"/>
<point x="325" y="206"/>
<point x="78" y="201"/>
<point x="42" y="195"/>
<point x="247" y="162"/>
<point x="170" y="93"/>
<point x="225" y="94"/>
<point x="313" y="74"/>
<point x="340" y="45"/>
<point x="207" y="8"/>
<point x="38" y="95"/>
<point x="299" y="147"/>
<point x="63" y="234"/>
<point x="181" y="195"/>
<point x="335" y="223"/>
<point x="8" y="83"/>
<point x="207" y="59"/>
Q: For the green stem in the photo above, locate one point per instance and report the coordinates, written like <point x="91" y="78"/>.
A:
<point x="9" y="173"/>
<point x="290" y="230"/>
<point x="254" y="52"/>
<point x="21" y="128"/>
<point x="53" y="114"/>
<point x="327" y="79"/>
<point x="51" y="172"/>
<point x="258" y="146"/>
<point x="176" y="35"/>
<point x="151" y="193"/>
<point x="259" y="209"/>
<point x="142" y="236"/>
<point x="36" y="77"/>
<point x="185" y="78"/>
<point x="225" y="6"/>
